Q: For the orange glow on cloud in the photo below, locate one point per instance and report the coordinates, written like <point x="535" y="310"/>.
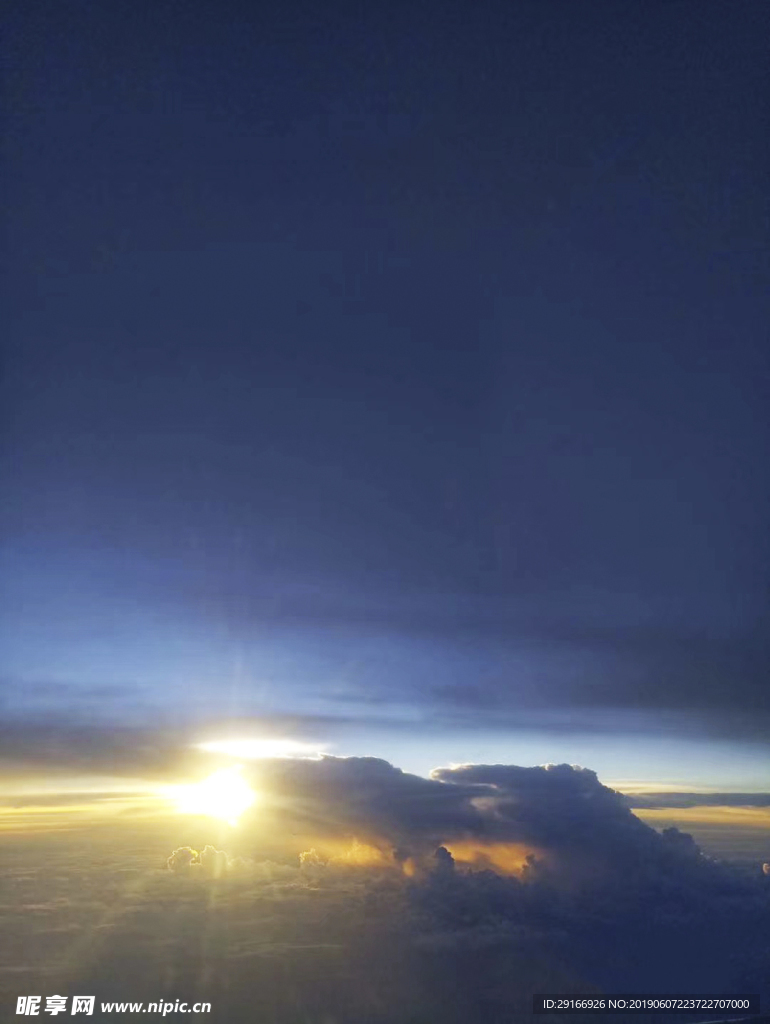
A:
<point x="354" y="852"/>
<point x="505" y="858"/>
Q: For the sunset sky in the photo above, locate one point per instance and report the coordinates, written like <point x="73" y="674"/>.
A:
<point x="391" y="380"/>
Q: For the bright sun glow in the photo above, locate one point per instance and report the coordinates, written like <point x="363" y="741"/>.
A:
<point x="225" y="794"/>
<point x="256" y="748"/>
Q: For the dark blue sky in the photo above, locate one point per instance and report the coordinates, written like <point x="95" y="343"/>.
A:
<point x="392" y="367"/>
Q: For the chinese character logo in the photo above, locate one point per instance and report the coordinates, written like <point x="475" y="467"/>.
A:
<point x="83" y="1004"/>
<point x="28" y="1005"/>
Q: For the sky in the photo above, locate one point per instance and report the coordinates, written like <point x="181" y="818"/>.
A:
<point x="383" y="545"/>
<point x="392" y="379"/>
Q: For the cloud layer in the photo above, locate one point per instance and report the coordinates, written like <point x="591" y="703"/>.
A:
<point x="353" y="890"/>
<point x="488" y="860"/>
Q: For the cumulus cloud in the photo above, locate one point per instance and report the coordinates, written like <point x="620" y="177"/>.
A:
<point x="557" y="821"/>
<point x="581" y="830"/>
<point x="208" y="863"/>
<point x="181" y="860"/>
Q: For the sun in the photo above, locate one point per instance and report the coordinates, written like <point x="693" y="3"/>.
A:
<point x="225" y="794"/>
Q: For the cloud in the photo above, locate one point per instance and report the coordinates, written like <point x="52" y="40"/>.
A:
<point x="450" y="898"/>
<point x="582" y="832"/>
<point x="462" y="924"/>
<point x="181" y="860"/>
<point x="367" y="798"/>
<point x="208" y="863"/>
<point x="605" y="662"/>
<point x="556" y="819"/>
<point x="105" y="749"/>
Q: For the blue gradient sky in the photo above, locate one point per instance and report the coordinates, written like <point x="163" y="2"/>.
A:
<point x="396" y="377"/>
